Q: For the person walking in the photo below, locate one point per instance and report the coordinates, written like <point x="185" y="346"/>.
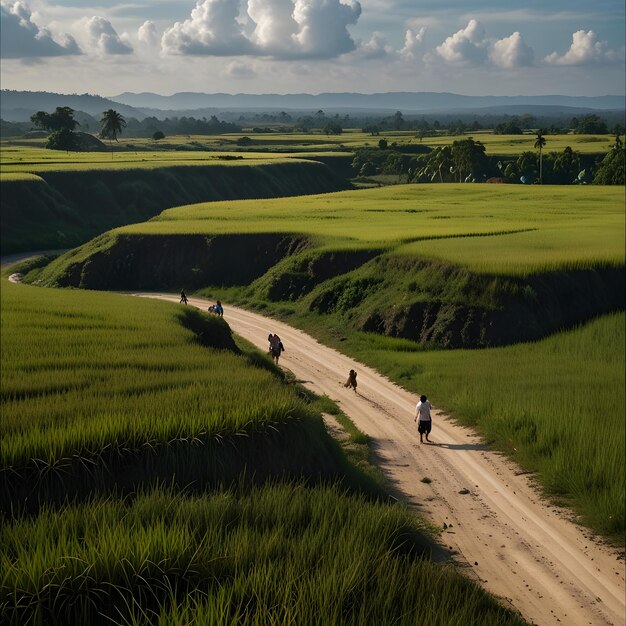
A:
<point x="183" y="297"/>
<point x="423" y="418"/>
<point x="219" y="309"/>
<point x="351" y="382"/>
<point x="276" y="346"/>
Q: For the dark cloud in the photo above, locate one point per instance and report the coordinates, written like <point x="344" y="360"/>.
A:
<point x="21" y="38"/>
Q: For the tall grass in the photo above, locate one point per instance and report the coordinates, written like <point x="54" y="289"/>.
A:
<point x="84" y="371"/>
<point x="278" y="554"/>
<point x="556" y="405"/>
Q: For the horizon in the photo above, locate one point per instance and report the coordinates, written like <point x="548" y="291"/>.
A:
<point x="316" y="93"/>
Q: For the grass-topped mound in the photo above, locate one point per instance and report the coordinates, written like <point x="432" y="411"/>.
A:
<point x="99" y="389"/>
<point x="64" y="207"/>
<point x="447" y="265"/>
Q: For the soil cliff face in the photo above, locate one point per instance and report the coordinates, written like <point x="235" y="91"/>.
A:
<point x="151" y="263"/>
<point x="436" y="304"/>
<point x="66" y="209"/>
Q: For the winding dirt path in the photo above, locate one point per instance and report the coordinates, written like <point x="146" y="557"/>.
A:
<point x="510" y="539"/>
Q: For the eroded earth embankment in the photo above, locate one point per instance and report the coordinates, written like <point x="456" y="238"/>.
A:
<point x="372" y="290"/>
<point x="64" y="209"/>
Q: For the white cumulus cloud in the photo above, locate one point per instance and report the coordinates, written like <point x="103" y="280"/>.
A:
<point x="282" y="29"/>
<point x="20" y="37"/>
<point x="147" y="33"/>
<point x="412" y="42"/>
<point x="103" y="38"/>
<point x="471" y="46"/>
<point x="323" y="26"/>
<point x="213" y="28"/>
<point x="511" y="52"/>
<point x="275" y="27"/>
<point x="237" y="69"/>
<point x="585" y="49"/>
<point x="376" y="47"/>
<point x="468" y="45"/>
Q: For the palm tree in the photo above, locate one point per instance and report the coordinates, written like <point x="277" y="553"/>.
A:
<point x="540" y="142"/>
<point x="111" y="125"/>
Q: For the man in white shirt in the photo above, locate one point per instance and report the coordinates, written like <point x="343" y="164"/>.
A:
<point x="422" y="413"/>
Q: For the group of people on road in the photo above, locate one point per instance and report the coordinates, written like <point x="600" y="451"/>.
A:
<point x="216" y="308"/>
<point x="422" y="410"/>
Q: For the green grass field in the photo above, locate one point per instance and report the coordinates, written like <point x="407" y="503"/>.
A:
<point x="280" y="554"/>
<point x="556" y="406"/>
<point x="114" y="371"/>
<point x="19" y="154"/>
<point x="19" y="160"/>
<point x="477" y="226"/>
<point x="92" y="376"/>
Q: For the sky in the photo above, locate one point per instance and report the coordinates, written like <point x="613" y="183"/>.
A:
<point x="483" y="47"/>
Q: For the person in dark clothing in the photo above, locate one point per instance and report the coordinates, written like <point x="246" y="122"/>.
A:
<point x="351" y="382"/>
<point x="183" y="297"/>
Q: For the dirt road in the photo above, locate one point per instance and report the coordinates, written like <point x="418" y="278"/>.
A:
<point x="515" y="543"/>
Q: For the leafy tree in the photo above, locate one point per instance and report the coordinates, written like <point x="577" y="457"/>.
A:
<point x="611" y="169"/>
<point x="439" y="163"/>
<point x="111" y="125"/>
<point x="382" y="144"/>
<point x="372" y="129"/>
<point x="527" y="166"/>
<point x="512" y="127"/>
<point x="158" y="135"/>
<point x="566" y="165"/>
<point x="540" y="142"/>
<point x="511" y="171"/>
<point x="468" y="157"/>
<point x="62" y="139"/>
<point x="244" y="141"/>
<point x="367" y="169"/>
<point x="398" y="120"/>
<point x="63" y="117"/>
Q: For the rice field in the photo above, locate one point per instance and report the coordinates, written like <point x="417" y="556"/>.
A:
<point x="498" y="229"/>
<point x="15" y="161"/>
<point x="279" y="554"/>
<point x="351" y="139"/>
<point x="90" y="371"/>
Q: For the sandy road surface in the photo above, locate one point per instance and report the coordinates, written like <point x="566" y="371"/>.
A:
<point x="519" y="546"/>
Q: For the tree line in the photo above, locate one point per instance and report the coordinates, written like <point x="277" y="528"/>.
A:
<point x="466" y="160"/>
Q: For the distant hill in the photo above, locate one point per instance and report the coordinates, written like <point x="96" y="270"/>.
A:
<point x="405" y="101"/>
<point x="18" y="106"/>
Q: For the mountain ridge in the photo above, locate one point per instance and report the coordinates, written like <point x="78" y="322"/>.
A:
<point x="18" y="106"/>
